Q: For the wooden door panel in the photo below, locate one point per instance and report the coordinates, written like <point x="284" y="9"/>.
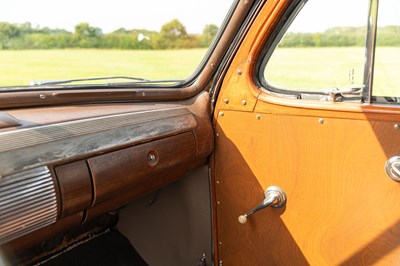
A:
<point x="341" y="207"/>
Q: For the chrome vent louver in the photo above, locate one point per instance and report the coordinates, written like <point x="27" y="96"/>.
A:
<point x="27" y="202"/>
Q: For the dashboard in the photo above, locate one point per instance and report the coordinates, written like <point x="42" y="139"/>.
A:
<point x="64" y="166"/>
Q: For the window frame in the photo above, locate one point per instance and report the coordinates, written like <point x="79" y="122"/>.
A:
<point x="280" y="30"/>
<point x="378" y="99"/>
<point x="370" y="51"/>
<point x="278" y="33"/>
<point x="156" y="84"/>
<point x="41" y="96"/>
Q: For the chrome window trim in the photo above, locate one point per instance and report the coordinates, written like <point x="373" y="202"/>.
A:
<point x="370" y="51"/>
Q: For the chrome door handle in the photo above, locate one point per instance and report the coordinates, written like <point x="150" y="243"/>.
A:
<point x="274" y="197"/>
<point x="392" y="168"/>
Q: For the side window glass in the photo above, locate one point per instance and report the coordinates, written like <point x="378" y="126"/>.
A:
<point x="323" y="48"/>
<point x="387" y="53"/>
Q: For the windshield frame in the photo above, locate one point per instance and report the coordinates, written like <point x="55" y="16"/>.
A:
<point x="142" y="82"/>
<point x="201" y="80"/>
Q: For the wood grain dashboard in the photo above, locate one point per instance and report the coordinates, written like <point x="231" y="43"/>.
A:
<point x="95" y="162"/>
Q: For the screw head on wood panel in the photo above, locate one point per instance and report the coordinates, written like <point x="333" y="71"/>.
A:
<point x="321" y="121"/>
<point x="396" y="126"/>
<point x="226" y="101"/>
<point x="244" y="102"/>
<point x="258" y="117"/>
<point x="239" y="72"/>
<point x="221" y="113"/>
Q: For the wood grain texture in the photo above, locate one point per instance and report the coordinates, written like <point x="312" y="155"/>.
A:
<point x="29" y="117"/>
<point x="75" y="187"/>
<point x="341" y="209"/>
<point x="125" y="174"/>
<point x="132" y="177"/>
<point x="241" y="70"/>
<point x="58" y="143"/>
<point x="178" y="155"/>
<point x="183" y="160"/>
<point x="129" y="169"/>
<point x="45" y="142"/>
<point x="25" y="96"/>
<point x="37" y="116"/>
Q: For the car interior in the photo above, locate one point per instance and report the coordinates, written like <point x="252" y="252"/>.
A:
<point x="223" y="168"/>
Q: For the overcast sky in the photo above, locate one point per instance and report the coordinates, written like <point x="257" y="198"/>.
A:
<point x="111" y="15"/>
<point x="319" y="15"/>
<point x="194" y="14"/>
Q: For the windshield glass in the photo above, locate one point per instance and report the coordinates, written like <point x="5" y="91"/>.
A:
<point x="58" y="40"/>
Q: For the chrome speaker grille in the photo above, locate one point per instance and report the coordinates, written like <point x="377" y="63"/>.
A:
<point x="27" y="202"/>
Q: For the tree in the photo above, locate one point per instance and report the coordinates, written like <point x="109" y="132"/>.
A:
<point x="209" y="33"/>
<point x="172" y="35"/>
<point x="87" y="36"/>
<point x="121" y="31"/>
<point x="85" y="30"/>
<point x="7" y="33"/>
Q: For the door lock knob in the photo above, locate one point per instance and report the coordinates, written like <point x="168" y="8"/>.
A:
<point x="275" y="197"/>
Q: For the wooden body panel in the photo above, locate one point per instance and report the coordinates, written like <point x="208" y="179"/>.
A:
<point x="328" y="157"/>
<point x="341" y="206"/>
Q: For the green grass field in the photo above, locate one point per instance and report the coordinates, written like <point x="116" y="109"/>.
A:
<point x="294" y="68"/>
<point x="21" y="67"/>
<point x="321" y="68"/>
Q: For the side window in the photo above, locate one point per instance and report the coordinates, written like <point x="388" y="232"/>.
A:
<point x="387" y="53"/>
<point x="322" y="49"/>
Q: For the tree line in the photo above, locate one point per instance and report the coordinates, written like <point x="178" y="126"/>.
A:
<point x="342" y="37"/>
<point x="173" y="35"/>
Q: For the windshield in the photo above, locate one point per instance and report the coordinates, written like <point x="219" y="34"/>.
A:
<point x="42" y="41"/>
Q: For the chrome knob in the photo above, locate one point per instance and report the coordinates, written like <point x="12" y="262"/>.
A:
<point x="274" y="197"/>
<point x="392" y="168"/>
